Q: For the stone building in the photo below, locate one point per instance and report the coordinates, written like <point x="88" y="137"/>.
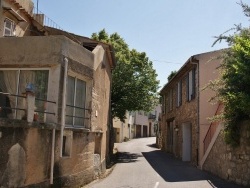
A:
<point x="185" y="129"/>
<point x="185" y="108"/>
<point x="153" y="118"/>
<point x="123" y="130"/>
<point x="141" y="124"/>
<point x="55" y="121"/>
<point x="137" y="124"/>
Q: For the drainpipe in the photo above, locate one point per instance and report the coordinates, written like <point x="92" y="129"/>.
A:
<point x="52" y="156"/>
<point x="65" y="60"/>
<point x="194" y="61"/>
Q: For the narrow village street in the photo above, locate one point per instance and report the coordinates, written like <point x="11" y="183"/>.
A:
<point x="141" y="165"/>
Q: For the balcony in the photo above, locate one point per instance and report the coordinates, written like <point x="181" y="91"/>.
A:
<point x="152" y="116"/>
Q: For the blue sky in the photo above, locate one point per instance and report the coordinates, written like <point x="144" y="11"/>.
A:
<point x="168" y="31"/>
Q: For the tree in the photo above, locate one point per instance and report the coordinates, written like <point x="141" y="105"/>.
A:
<point x="233" y="88"/>
<point x="134" y="83"/>
<point x="171" y="75"/>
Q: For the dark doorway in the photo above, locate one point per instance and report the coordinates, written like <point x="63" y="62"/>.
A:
<point x="138" y="131"/>
<point x="150" y="129"/>
<point x="145" y="131"/>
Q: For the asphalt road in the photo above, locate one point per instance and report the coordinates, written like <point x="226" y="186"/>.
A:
<point x="141" y="165"/>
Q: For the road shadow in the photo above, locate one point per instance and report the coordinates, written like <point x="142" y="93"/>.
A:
<point x="126" y="157"/>
<point x="152" y="145"/>
<point x="172" y="169"/>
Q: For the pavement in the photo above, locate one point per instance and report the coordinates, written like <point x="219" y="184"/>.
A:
<point x="141" y="165"/>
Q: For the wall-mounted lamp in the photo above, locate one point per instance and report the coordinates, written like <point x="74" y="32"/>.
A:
<point x="176" y="129"/>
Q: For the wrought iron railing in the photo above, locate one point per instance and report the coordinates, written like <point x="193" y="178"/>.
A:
<point x="44" y="20"/>
<point x="84" y="116"/>
<point x="24" y="109"/>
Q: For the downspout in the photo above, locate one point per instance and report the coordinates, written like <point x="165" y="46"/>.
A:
<point x="194" y="61"/>
<point x="65" y="60"/>
<point x="52" y="156"/>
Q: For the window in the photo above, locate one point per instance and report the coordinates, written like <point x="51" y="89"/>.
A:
<point x="15" y="82"/>
<point x="76" y="97"/>
<point x="67" y="144"/>
<point x="163" y="104"/>
<point x="170" y="100"/>
<point x="9" y="28"/>
<point x="179" y="94"/>
<point x="191" y="85"/>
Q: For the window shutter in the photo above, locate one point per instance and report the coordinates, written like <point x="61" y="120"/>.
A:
<point x="193" y="83"/>
<point x="180" y="93"/>
<point x="187" y="87"/>
<point x="177" y="94"/>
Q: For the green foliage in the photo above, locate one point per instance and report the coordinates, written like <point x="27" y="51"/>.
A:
<point x="134" y="83"/>
<point x="234" y="85"/>
<point x="171" y="75"/>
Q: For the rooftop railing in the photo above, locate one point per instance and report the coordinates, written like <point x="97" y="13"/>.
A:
<point x="44" y="20"/>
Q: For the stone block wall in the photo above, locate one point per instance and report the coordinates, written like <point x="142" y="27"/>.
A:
<point x="229" y="163"/>
<point x="186" y="113"/>
<point x="78" y="168"/>
<point x="25" y="155"/>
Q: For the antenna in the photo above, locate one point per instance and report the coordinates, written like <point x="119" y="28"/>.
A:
<point x="37" y="2"/>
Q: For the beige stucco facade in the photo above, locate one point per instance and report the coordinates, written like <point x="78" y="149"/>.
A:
<point x="207" y="72"/>
<point x="20" y="12"/>
<point x="66" y="155"/>
<point x="122" y="130"/>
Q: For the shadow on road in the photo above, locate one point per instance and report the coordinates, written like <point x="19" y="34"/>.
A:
<point x="126" y="157"/>
<point x="174" y="170"/>
<point x="152" y="145"/>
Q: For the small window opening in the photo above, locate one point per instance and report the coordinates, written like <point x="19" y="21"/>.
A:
<point x="66" y="149"/>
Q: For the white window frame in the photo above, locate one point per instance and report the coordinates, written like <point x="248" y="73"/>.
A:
<point x="11" y="29"/>
<point x="85" y="101"/>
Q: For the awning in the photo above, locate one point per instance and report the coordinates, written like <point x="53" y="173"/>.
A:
<point x="15" y="14"/>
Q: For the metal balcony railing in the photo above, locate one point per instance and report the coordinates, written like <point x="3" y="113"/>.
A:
<point x="85" y="117"/>
<point x="37" y="112"/>
<point x="44" y="20"/>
